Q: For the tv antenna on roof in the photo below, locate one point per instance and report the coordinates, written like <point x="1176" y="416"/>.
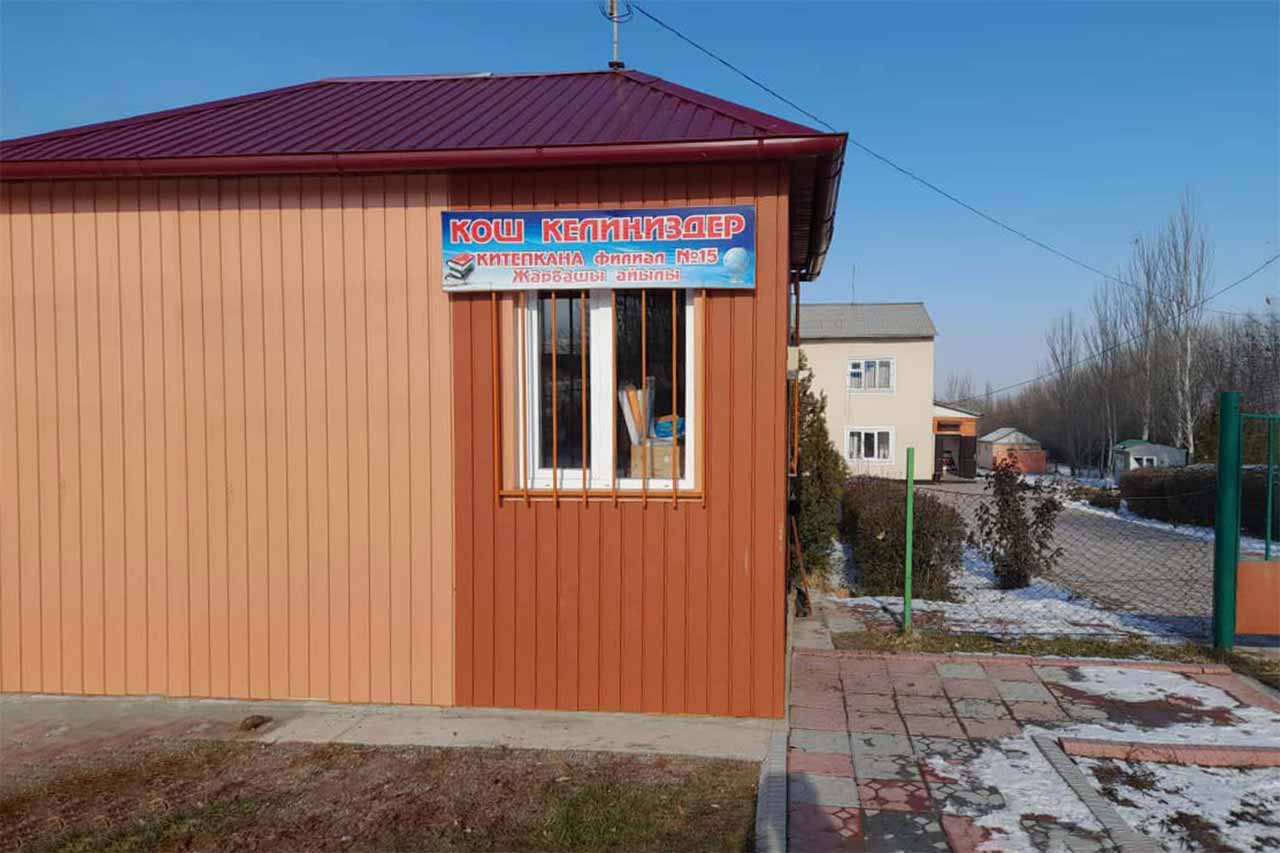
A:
<point x="618" y="12"/>
<point x="853" y="284"/>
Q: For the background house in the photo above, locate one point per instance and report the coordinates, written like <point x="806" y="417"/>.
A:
<point x="874" y="361"/>
<point x="1133" y="453"/>
<point x="1008" y="442"/>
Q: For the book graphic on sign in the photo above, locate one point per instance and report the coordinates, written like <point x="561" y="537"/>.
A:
<point x="460" y="266"/>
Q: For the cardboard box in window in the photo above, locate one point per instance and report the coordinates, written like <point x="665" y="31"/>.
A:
<point x="661" y="460"/>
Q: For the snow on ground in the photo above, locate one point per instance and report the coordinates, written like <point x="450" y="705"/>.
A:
<point x="1016" y="767"/>
<point x="1204" y="534"/>
<point x="1252" y="726"/>
<point x="1243" y="806"/>
<point x="1029" y="786"/>
<point x="1040" y="609"/>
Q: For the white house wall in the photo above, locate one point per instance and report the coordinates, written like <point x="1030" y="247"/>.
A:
<point x="907" y="409"/>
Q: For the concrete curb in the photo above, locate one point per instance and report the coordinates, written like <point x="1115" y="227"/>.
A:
<point x="771" y="797"/>
<point x="968" y="657"/>
<point x="1121" y="833"/>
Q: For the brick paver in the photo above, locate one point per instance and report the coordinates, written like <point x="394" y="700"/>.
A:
<point x="969" y="688"/>
<point x="933" y="726"/>
<point x="879" y="744"/>
<point x="824" y="719"/>
<point x="820" y="828"/>
<point x="990" y="729"/>
<point x="821" y="790"/>
<point x="826" y="763"/>
<point x="895" y="795"/>
<point x="965" y="835"/>
<point x="876" y="723"/>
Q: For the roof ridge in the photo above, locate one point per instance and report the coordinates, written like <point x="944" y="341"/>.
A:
<point x="858" y="304"/>
<point x="459" y="75"/>
<point x="198" y="108"/>
<point x="737" y="112"/>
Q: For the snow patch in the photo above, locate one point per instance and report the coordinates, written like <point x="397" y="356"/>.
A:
<point x="1244" y="805"/>
<point x="1137" y="685"/>
<point x="1040" y="609"/>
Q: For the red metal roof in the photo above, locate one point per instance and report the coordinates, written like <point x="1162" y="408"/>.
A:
<point x="439" y="113"/>
<point x="451" y="122"/>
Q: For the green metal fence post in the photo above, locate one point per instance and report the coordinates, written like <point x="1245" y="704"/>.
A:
<point x="911" y="517"/>
<point x="1226" y="524"/>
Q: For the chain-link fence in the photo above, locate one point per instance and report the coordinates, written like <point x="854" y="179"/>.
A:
<point x="1115" y="574"/>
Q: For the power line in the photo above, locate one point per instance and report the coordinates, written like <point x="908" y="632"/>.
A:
<point x="727" y="64"/>
<point x="925" y="182"/>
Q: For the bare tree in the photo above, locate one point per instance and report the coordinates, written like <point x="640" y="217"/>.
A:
<point x="1105" y="343"/>
<point x="1067" y="388"/>
<point x="1186" y="263"/>
<point x="1142" y="323"/>
<point x="959" y="388"/>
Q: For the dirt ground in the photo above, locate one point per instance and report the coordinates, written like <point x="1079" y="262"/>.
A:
<point x="160" y="793"/>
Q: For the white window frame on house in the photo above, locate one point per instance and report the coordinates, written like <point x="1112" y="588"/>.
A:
<point x="603" y="400"/>
<point x="1144" y="461"/>
<point x="860" y="364"/>
<point x="862" y="430"/>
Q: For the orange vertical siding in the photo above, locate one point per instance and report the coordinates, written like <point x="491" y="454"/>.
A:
<point x="225" y="444"/>
<point x="633" y="607"/>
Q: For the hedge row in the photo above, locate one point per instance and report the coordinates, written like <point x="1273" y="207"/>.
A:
<point x="873" y="526"/>
<point x="1190" y="496"/>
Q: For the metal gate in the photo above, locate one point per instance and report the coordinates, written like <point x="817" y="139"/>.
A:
<point x="1248" y="501"/>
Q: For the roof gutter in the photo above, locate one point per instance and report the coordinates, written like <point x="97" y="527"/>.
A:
<point x="773" y="148"/>
<point x="826" y="193"/>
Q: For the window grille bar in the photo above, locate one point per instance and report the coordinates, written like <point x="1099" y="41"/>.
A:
<point x="582" y="397"/>
<point x="523" y="360"/>
<point x="795" y="425"/>
<point x="496" y="420"/>
<point x="675" y="408"/>
<point x="613" y="407"/>
<point x="644" y="392"/>
<point x="555" y="405"/>
<point x="703" y="417"/>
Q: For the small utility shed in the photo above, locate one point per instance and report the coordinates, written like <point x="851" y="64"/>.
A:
<point x="1134" y="453"/>
<point x="955" y="440"/>
<point x="1011" y="443"/>
<point x="447" y="390"/>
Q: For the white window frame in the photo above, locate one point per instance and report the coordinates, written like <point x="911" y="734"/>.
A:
<point x="1150" y="461"/>
<point x="861" y="363"/>
<point x="893" y="444"/>
<point x="604" y="399"/>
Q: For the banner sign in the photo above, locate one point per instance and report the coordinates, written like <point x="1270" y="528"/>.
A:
<point x="695" y="247"/>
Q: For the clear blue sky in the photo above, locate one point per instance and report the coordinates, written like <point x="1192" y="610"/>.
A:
<point x="1079" y="122"/>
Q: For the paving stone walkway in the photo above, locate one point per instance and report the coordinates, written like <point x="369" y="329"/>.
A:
<point x="865" y="727"/>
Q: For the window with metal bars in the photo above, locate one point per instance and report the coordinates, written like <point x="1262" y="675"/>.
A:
<point x="607" y="392"/>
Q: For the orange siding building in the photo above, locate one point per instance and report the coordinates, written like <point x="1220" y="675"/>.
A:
<point x="229" y="469"/>
<point x="251" y="447"/>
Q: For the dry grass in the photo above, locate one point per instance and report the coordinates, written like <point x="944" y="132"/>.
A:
<point x="222" y="795"/>
<point x="1264" y="669"/>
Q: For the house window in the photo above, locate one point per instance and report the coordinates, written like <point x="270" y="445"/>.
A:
<point x="1144" y="461"/>
<point x="870" y="444"/>
<point x="871" y="374"/>
<point x="609" y="390"/>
